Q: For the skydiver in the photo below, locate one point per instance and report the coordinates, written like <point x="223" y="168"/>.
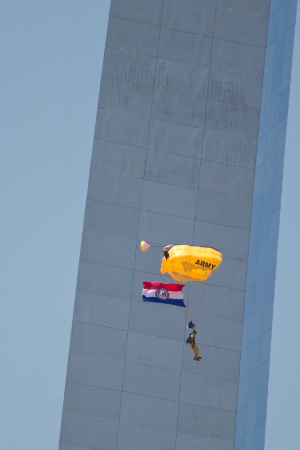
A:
<point x="192" y="341"/>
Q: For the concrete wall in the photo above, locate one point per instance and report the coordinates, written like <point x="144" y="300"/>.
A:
<point x="174" y="161"/>
<point x="259" y="299"/>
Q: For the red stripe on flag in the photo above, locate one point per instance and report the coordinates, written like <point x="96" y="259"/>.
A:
<point x="157" y="285"/>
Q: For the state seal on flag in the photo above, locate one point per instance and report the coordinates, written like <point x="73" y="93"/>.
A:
<point x="162" y="293"/>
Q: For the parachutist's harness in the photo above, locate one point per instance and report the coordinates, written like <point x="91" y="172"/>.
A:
<point x="191" y="339"/>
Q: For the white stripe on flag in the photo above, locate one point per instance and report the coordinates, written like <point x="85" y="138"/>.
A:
<point x="172" y="294"/>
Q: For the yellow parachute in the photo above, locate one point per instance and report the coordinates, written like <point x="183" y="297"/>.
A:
<point x="190" y="263"/>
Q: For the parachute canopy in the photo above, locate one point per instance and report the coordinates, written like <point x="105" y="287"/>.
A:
<point x="190" y="263"/>
<point x="144" y="246"/>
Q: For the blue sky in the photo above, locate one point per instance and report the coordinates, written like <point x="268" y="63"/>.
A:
<point x="51" y="60"/>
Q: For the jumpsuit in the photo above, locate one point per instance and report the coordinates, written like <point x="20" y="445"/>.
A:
<point x="194" y="346"/>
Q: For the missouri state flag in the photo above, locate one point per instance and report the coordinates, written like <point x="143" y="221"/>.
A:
<point x="169" y="294"/>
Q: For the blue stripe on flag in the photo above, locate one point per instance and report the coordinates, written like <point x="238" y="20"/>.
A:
<point x="169" y="301"/>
